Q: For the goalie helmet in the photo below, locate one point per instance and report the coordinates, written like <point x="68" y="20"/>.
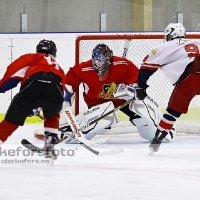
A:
<point x="101" y="59"/>
<point x="47" y="47"/>
<point x="174" y="30"/>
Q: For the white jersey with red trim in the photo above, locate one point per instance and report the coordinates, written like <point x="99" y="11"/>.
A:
<point x="172" y="57"/>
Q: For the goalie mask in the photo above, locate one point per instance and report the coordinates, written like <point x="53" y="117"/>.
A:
<point x="47" y="47"/>
<point x="174" y="30"/>
<point x="101" y="59"/>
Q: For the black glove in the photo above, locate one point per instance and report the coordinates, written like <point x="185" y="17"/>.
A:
<point x="141" y="93"/>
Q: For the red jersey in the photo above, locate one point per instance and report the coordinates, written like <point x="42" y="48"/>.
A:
<point x="96" y="91"/>
<point x="29" y="64"/>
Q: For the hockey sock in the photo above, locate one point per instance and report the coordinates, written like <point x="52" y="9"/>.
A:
<point x="6" y="129"/>
<point x="51" y="124"/>
<point x="168" y="120"/>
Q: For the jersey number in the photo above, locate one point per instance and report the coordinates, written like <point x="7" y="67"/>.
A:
<point x="50" y="62"/>
<point x="192" y="49"/>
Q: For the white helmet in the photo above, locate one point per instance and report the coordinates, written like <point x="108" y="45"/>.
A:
<point x="174" y="30"/>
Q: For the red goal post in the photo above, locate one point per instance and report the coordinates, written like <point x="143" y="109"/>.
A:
<point x="160" y="88"/>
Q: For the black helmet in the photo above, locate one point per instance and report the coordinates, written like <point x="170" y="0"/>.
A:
<point x="47" y="47"/>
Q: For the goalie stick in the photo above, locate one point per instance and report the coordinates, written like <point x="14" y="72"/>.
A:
<point x="108" y="113"/>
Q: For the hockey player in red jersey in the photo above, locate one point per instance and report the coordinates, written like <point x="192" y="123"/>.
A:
<point x="179" y="60"/>
<point x="42" y="85"/>
<point x="105" y="78"/>
<point x="100" y="76"/>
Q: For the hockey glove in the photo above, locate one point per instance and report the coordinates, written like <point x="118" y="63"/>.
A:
<point x="35" y="112"/>
<point x="125" y="92"/>
<point x="141" y="93"/>
<point x="69" y="97"/>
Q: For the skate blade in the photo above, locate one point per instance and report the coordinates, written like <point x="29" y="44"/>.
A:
<point x="50" y="161"/>
<point x="151" y="151"/>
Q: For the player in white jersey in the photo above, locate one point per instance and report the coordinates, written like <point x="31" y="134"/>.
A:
<point x="179" y="60"/>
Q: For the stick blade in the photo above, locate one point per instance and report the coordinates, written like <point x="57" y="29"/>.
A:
<point x="97" y="141"/>
<point x="110" y="152"/>
<point x="30" y="146"/>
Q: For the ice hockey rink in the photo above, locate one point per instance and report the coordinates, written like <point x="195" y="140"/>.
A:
<point x="173" y="173"/>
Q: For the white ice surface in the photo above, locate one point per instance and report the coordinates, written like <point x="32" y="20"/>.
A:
<point x="173" y="173"/>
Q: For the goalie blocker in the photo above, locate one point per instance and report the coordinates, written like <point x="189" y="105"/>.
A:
<point x="149" y="114"/>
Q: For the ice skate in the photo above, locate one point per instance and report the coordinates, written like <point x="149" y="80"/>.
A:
<point x="156" y="142"/>
<point x="48" y="149"/>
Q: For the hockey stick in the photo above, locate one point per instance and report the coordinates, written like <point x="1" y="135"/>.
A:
<point x="36" y="149"/>
<point x="108" y="113"/>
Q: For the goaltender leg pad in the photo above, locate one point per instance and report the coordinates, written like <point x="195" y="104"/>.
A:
<point x="83" y="119"/>
<point x="150" y="114"/>
<point x="99" y="127"/>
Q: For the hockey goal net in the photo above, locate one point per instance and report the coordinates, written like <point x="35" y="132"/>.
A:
<point x="160" y="88"/>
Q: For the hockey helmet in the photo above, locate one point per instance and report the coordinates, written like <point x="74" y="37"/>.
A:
<point x="174" y="30"/>
<point x="101" y="58"/>
<point x="47" y="47"/>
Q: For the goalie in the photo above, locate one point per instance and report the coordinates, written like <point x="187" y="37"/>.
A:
<point x="108" y="82"/>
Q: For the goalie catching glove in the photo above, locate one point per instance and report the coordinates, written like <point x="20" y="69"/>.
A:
<point x="125" y="92"/>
